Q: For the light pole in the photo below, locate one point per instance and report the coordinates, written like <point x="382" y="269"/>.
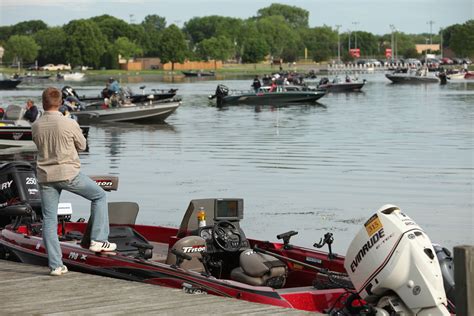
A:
<point x="431" y="22"/>
<point x="441" y="41"/>
<point x="349" y="32"/>
<point x="392" y="27"/>
<point x="355" y="33"/>
<point x="338" y="44"/>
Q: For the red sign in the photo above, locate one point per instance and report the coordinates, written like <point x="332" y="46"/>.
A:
<point x="354" y="52"/>
<point x="388" y="52"/>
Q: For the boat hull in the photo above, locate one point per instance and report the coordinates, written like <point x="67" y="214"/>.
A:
<point x="9" y="84"/>
<point x="23" y="133"/>
<point x="155" y="112"/>
<point x="404" y="78"/>
<point x="30" y="249"/>
<point x="342" y="87"/>
<point x="274" y="98"/>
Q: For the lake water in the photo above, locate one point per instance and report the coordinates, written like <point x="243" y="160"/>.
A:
<point x="311" y="168"/>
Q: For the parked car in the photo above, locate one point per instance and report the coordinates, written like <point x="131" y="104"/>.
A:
<point x="466" y="61"/>
<point x="374" y="62"/>
<point x="446" y="61"/>
<point x="413" y="62"/>
<point x="457" y="61"/>
<point x="52" y="67"/>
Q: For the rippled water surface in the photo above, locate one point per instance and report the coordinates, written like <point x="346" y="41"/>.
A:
<point x="310" y="168"/>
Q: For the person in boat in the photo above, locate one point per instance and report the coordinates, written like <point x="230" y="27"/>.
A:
<point x="273" y="86"/>
<point x="112" y="87"/>
<point x="348" y="79"/>
<point x="58" y="168"/>
<point x="32" y="112"/>
<point x="256" y="84"/>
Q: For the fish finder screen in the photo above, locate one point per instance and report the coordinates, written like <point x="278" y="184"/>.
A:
<point x="227" y="209"/>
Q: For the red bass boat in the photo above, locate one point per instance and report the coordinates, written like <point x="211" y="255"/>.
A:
<point x="209" y="253"/>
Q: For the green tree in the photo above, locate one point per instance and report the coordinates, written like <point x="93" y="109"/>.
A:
<point x="254" y="49"/>
<point x="277" y="34"/>
<point x="294" y="16"/>
<point x="85" y="44"/>
<point x="52" y="42"/>
<point x="461" y="37"/>
<point x="28" y="27"/>
<point x="154" y="22"/>
<point x="5" y="33"/>
<point x="217" y="48"/>
<point x="153" y="25"/>
<point x="21" y="48"/>
<point x="126" y="48"/>
<point x="321" y="42"/>
<point x="201" y="28"/>
<point x="173" y="46"/>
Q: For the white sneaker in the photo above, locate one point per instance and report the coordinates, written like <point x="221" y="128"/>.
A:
<point x="98" y="246"/>
<point x="59" y="271"/>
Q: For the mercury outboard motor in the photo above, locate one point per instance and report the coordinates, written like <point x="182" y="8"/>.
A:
<point x="221" y="92"/>
<point x="18" y="186"/>
<point x="68" y="91"/>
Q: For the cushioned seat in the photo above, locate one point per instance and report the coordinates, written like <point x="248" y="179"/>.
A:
<point x="260" y="270"/>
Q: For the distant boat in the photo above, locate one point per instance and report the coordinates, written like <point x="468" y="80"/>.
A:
<point x="8" y="83"/>
<point x="287" y="95"/>
<point x="75" y="76"/>
<point x="13" y="127"/>
<point x="141" y="112"/>
<point x="338" y="85"/>
<point x="413" y="76"/>
<point x="198" y="73"/>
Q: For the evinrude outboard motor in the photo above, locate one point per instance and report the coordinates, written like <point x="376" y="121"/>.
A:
<point x="68" y="91"/>
<point x="393" y="266"/>
<point x="18" y="185"/>
<point x="221" y="92"/>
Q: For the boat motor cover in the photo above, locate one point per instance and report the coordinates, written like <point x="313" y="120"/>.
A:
<point x="392" y="253"/>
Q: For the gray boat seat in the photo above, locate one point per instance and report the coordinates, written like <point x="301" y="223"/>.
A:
<point x="260" y="270"/>
<point x="123" y="213"/>
<point x="192" y="246"/>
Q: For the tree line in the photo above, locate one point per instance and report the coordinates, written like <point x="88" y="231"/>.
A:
<point x="280" y="31"/>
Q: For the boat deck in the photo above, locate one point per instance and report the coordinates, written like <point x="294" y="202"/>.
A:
<point x="29" y="290"/>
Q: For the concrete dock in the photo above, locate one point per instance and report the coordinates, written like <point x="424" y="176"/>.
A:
<point x="29" y="290"/>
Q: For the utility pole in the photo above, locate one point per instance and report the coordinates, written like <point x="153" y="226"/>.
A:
<point x="441" y="41"/>
<point x="392" y="27"/>
<point x="431" y="22"/>
<point x="355" y="32"/>
<point x="338" y="44"/>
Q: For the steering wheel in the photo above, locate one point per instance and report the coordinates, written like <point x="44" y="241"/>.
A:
<point x="226" y="236"/>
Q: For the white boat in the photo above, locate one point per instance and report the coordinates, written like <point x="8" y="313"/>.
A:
<point x="74" y="76"/>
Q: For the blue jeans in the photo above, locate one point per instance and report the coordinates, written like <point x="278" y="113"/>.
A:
<point x="81" y="185"/>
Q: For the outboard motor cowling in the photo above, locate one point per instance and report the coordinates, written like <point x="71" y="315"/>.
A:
<point x="221" y="92"/>
<point x="18" y="185"/>
<point x="391" y="255"/>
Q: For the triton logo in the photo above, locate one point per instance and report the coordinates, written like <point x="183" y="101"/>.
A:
<point x="365" y="249"/>
<point x="194" y="249"/>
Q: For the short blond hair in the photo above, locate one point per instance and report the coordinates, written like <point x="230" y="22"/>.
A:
<point x="52" y="98"/>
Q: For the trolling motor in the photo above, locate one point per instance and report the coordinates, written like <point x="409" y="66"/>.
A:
<point x="328" y="239"/>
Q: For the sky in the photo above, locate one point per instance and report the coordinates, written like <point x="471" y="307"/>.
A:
<point x="375" y="16"/>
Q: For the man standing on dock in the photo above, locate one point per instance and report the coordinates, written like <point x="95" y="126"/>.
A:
<point x="59" y="139"/>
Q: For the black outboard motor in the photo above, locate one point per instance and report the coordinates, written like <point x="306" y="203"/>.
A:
<point x="18" y="185"/>
<point x="221" y="92"/>
<point x="68" y="91"/>
<point x="446" y="264"/>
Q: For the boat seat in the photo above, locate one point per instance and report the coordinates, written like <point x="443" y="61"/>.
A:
<point x="125" y="237"/>
<point x="192" y="246"/>
<point x="260" y="269"/>
<point x="123" y="213"/>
